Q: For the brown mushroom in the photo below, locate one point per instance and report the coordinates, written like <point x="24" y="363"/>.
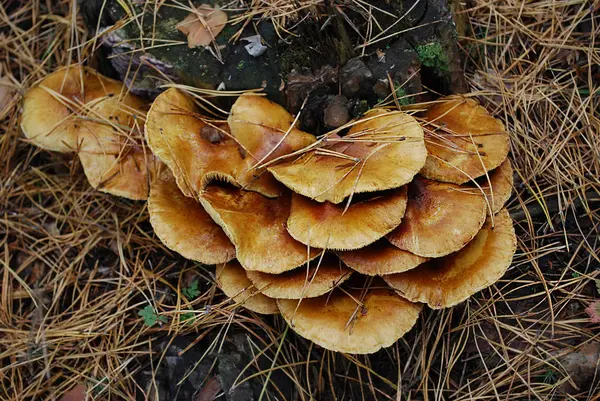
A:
<point x="51" y="108"/>
<point x="382" y="151"/>
<point x="196" y="152"/>
<point x="265" y="129"/>
<point x="320" y="277"/>
<point x="329" y="226"/>
<point x="465" y="141"/>
<point x="380" y="258"/>
<point x="440" y="218"/>
<point x="352" y="321"/>
<point x="501" y="180"/>
<point x="256" y="226"/>
<point x="232" y="280"/>
<point x="111" y="148"/>
<point x="450" y="280"/>
<point x="183" y="225"/>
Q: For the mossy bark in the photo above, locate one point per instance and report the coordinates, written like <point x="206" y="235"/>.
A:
<point x="314" y="55"/>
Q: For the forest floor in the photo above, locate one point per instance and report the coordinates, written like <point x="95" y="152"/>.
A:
<point x="77" y="266"/>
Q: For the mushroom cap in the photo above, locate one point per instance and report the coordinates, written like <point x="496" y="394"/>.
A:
<point x="381" y="258"/>
<point x="261" y="126"/>
<point x="196" y="152"/>
<point x="232" y="280"/>
<point x="112" y="148"/>
<point x="336" y="322"/>
<point x="256" y="226"/>
<point x="450" y="280"/>
<point x="501" y="180"/>
<point x="304" y="282"/>
<point x="50" y="107"/>
<point x="469" y="143"/>
<point x="326" y="226"/>
<point x="440" y="218"/>
<point x="183" y="225"/>
<point x="382" y="151"/>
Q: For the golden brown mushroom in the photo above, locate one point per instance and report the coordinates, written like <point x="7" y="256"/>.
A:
<point x="265" y="129"/>
<point x="256" y="226"/>
<point x="382" y="151"/>
<point x="501" y="180"/>
<point x="52" y="107"/>
<point x="381" y="258"/>
<point x="183" y="225"/>
<point x="440" y="218"/>
<point x="197" y="152"/>
<point x="326" y="226"/>
<point x="450" y="280"/>
<point x="232" y="280"/>
<point x="112" y="150"/>
<point x="466" y="141"/>
<point x="352" y="321"/>
<point x="304" y="282"/>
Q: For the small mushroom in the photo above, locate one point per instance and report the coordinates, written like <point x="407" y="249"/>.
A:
<point x="51" y="107"/>
<point x="320" y="277"/>
<point x="178" y="136"/>
<point x="336" y="321"/>
<point x="256" y="226"/>
<point x="77" y="109"/>
<point x="466" y="141"/>
<point x="440" y="218"/>
<point x="382" y="151"/>
<point x="232" y="280"/>
<point x="111" y="148"/>
<point x="448" y="281"/>
<point x="183" y="225"/>
<point x="381" y="258"/>
<point x="328" y="226"/>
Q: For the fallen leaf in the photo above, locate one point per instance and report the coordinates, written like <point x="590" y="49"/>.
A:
<point x="77" y="393"/>
<point x="203" y="25"/>
<point x="210" y="390"/>
<point x="593" y="311"/>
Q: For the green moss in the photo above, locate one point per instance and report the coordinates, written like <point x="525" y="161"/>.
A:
<point x="432" y="55"/>
<point x="403" y="98"/>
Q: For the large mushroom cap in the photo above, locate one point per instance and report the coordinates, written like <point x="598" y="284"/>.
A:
<point x="265" y="129"/>
<point x="326" y="226"/>
<point x="440" y="218"/>
<point x="183" y="225"/>
<point x="256" y="226"/>
<point x="381" y="258"/>
<point x="232" y="280"/>
<point x="450" y="280"/>
<point x="50" y="108"/>
<point x="337" y="322"/>
<point x="304" y="282"/>
<point x="197" y="152"/>
<point x="382" y="151"/>
<point x="466" y="143"/>
<point x="111" y="147"/>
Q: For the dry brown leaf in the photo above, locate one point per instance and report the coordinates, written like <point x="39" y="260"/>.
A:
<point x="77" y="393"/>
<point x="203" y="25"/>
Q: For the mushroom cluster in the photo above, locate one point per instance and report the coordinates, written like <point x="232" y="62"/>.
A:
<point x="77" y="110"/>
<point x="346" y="235"/>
